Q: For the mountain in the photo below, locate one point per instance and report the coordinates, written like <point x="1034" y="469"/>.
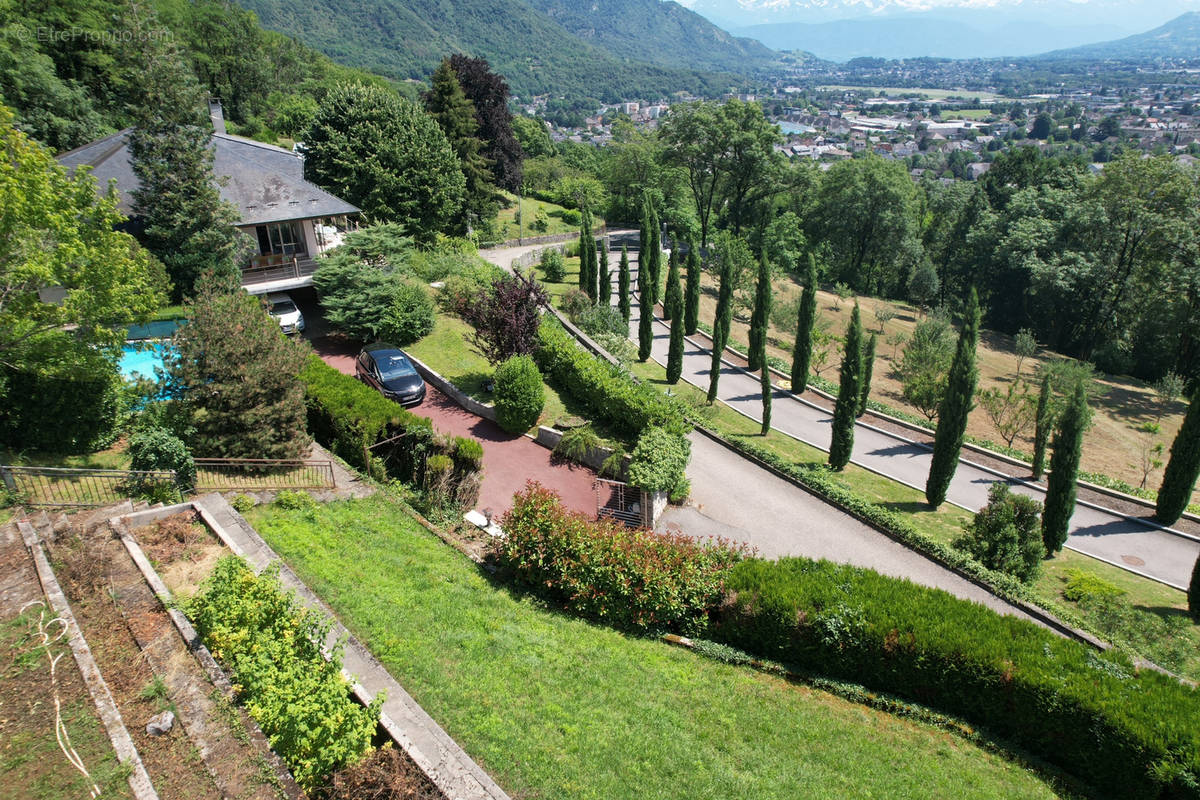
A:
<point x="916" y="35"/>
<point x="593" y="48"/>
<point x="1179" y="38"/>
<point x="657" y="32"/>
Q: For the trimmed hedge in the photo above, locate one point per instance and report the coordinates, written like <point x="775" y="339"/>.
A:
<point x="349" y="418"/>
<point x="608" y="392"/>
<point x="633" y="579"/>
<point x="520" y="395"/>
<point x="1134" y="734"/>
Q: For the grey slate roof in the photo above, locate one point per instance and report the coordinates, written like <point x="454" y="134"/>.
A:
<point x="263" y="182"/>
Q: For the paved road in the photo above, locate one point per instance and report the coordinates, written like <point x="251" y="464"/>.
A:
<point x="1127" y="543"/>
<point x="779" y="519"/>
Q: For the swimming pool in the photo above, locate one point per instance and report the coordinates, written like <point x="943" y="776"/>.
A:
<point x="142" y="360"/>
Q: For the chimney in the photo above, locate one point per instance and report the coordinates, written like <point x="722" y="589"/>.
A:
<point x="216" y="115"/>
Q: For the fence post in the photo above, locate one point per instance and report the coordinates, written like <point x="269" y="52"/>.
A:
<point x="9" y="483"/>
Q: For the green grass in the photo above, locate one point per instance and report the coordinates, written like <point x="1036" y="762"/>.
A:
<point x="169" y="312"/>
<point x="556" y="707"/>
<point x="556" y="290"/>
<point x="947" y="522"/>
<point x="506" y="225"/>
<point x="32" y="767"/>
<point x="969" y="113"/>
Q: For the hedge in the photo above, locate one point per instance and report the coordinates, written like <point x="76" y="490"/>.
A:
<point x="609" y="393"/>
<point x="1134" y="734"/>
<point x="349" y="418"/>
<point x="520" y="395"/>
<point x="634" y="579"/>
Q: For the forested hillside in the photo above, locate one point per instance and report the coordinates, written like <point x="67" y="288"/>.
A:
<point x="536" y="53"/>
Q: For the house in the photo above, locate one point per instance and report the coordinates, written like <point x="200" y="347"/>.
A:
<point x="291" y="220"/>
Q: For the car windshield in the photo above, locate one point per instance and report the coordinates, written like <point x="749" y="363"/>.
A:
<point x="394" y="365"/>
<point x="281" y="307"/>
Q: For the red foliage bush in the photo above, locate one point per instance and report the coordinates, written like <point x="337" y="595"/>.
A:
<point x="632" y="579"/>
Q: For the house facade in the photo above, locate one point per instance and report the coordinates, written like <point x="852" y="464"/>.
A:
<point x="290" y="220"/>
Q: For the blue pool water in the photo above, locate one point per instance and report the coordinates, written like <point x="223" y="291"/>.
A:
<point x="141" y="360"/>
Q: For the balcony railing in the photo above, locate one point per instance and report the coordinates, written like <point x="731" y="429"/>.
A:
<point x="286" y="268"/>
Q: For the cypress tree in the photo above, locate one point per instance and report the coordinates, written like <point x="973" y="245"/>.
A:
<point x="766" y="400"/>
<point x="1194" y="592"/>
<point x="721" y="325"/>
<point x="672" y="269"/>
<point x="674" y="306"/>
<point x="645" y="317"/>
<point x="1183" y="468"/>
<point x="1043" y="422"/>
<point x="603" y="276"/>
<point x="623" y="283"/>
<point x="1064" y="466"/>
<point x="850" y="389"/>
<point x="760" y="316"/>
<point x="691" y="302"/>
<point x="955" y="406"/>
<point x="586" y="244"/>
<point x="868" y="372"/>
<point x="645" y="257"/>
<point x="655" y="257"/>
<point x="806" y="320"/>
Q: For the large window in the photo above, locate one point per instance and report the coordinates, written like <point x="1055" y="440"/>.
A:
<point x="281" y="238"/>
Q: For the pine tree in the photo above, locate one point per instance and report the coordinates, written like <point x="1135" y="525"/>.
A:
<point x="674" y="306"/>
<point x="672" y="269"/>
<point x="691" y="301"/>
<point x="455" y="115"/>
<point x="1194" y="593"/>
<point x="1043" y="422"/>
<point x="956" y="405"/>
<point x="603" y="276"/>
<point x="1064" y="467"/>
<point x="185" y="222"/>
<point x="721" y="326"/>
<point x="760" y="316"/>
<point x="849" y="391"/>
<point x="1182" y="469"/>
<point x="623" y="283"/>
<point x="806" y="320"/>
<point x="868" y="373"/>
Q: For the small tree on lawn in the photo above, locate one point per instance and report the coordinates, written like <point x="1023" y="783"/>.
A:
<point x="1064" y="468"/>
<point x="623" y="284"/>
<point x="1005" y="535"/>
<point x="1166" y="389"/>
<point x="554" y="267"/>
<point x="1011" y="411"/>
<point x="506" y="316"/>
<point x="674" y="307"/>
<point x="868" y="373"/>
<point x="691" y="300"/>
<point x="955" y="407"/>
<point x="235" y="375"/>
<point x="924" y="285"/>
<point x="849" y="392"/>
<point x="1025" y="347"/>
<point x="760" y="317"/>
<point x="1151" y="449"/>
<point x="805" y="323"/>
<point x="925" y="365"/>
<point x="1183" y="467"/>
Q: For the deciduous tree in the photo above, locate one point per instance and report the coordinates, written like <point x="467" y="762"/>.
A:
<point x="488" y="92"/>
<point x="506" y="316"/>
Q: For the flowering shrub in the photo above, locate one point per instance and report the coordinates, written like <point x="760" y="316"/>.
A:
<point x="633" y="579"/>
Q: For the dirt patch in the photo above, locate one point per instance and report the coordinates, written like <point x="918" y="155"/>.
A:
<point x="385" y="774"/>
<point x="182" y="549"/>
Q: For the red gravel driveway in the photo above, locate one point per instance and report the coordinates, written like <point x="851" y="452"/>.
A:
<point x="509" y="460"/>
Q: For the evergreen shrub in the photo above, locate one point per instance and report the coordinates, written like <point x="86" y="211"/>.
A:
<point x="519" y="395"/>
<point x="159" y="449"/>
<point x="658" y="460"/>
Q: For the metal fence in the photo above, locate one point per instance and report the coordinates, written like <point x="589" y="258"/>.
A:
<point x="61" y="487"/>
<point x="620" y="502"/>
<point x="222" y="474"/>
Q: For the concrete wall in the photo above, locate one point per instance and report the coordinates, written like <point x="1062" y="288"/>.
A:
<point x="450" y="390"/>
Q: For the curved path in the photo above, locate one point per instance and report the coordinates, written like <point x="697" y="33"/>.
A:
<point x="1126" y="542"/>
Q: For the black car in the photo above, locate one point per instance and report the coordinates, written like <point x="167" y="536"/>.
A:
<point x="388" y="369"/>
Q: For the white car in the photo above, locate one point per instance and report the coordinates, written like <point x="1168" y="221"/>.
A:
<point x="284" y="309"/>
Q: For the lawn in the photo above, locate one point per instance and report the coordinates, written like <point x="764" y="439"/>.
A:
<point x="507" y="227"/>
<point x="555" y="707"/>
<point x="946" y="523"/>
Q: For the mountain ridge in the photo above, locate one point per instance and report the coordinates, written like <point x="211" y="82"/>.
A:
<point x="1178" y="38"/>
